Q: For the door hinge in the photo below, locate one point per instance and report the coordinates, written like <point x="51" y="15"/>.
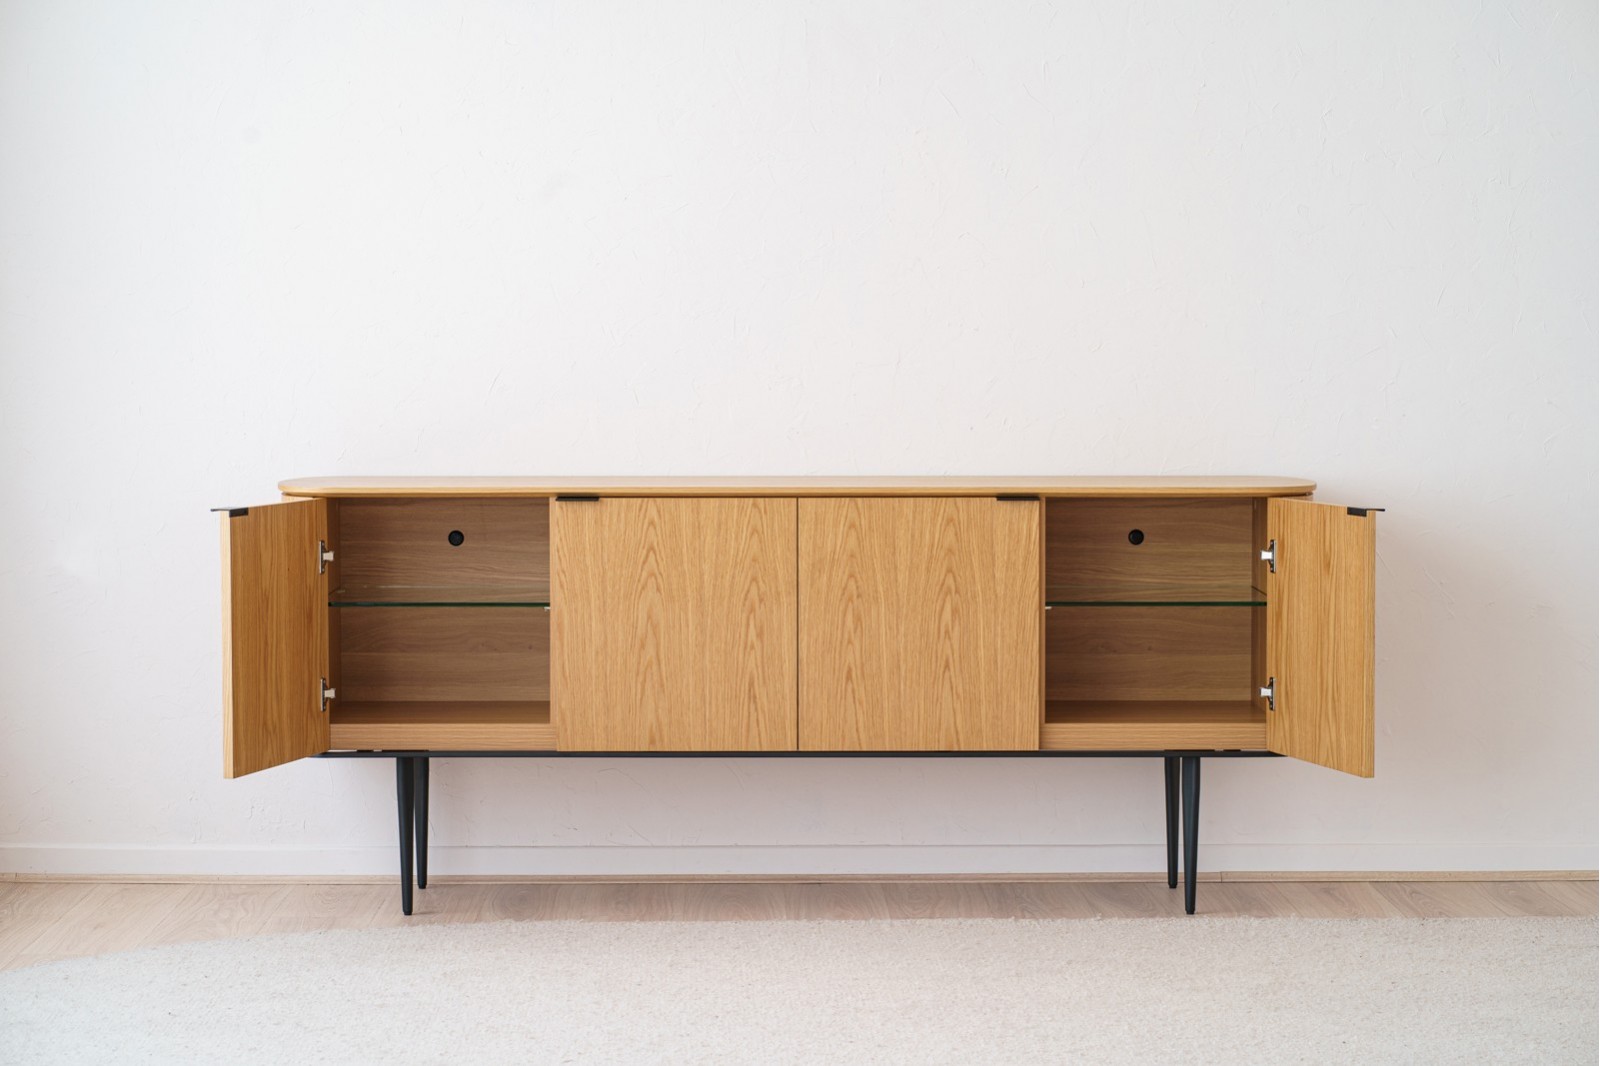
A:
<point x="324" y="557"/>
<point x="1269" y="555"/>
<point x="327" y="694"/>
<point x="1269" y="693"/>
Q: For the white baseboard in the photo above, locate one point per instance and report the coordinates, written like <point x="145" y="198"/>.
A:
<point x="786" y="860"/>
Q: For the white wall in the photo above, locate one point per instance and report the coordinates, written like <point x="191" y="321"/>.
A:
<point x="1352" y="242"/>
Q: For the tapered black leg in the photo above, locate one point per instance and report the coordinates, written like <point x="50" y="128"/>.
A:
<point x="1191" y="827"/>
<point x="421" y="807"/>
<point x="1170" y="770"/>
<point x="405" y="800"/>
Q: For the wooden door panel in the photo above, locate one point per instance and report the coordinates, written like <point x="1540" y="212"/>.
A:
<point x="920" y="624"/>
<point x="1320" y="633"/>
<point x="673" y="624"/>
<point x="275" y="643"/>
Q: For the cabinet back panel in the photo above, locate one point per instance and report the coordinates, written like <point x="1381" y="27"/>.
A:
<point x="406" y="542"/>
<point x="1197" y="548"/>
<point x="1148" y="653"/>
<point x="444" y="653"/>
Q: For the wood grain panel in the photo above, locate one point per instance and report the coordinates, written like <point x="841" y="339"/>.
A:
<point x="1162" y="725"/>
<point x="274" y="636"/>
<point x="1242" y="487"/>
<point x="405" y="542"/>
<point x="444" y="726"/>
<point x="674" y="624"/>
<point x="1259" y="573"/>
<point x="1320" y="634"/>
<point x="919" y="624"/>
<point x="1197" y="548"/>
<point x="444" y="653"/>
<point x="1148" y="653"/>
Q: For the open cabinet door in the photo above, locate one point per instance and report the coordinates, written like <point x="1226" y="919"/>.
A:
<point x="1320" y="633"/>
<point x="275" y="647"/>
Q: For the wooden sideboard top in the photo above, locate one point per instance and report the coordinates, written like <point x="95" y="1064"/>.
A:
<point x="796" y="486"/>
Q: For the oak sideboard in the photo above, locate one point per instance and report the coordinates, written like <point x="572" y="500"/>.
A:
<point x="1173" y="617"/>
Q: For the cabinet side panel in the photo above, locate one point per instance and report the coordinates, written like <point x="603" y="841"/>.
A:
<point x="1320" y="634"/>
<point x="275" y="636"/>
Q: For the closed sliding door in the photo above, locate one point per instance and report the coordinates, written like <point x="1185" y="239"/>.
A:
<point x="673" y="624"/>
<point x="920" y="624"/>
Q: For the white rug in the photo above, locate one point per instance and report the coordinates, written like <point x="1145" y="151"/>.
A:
<point x="1190" y="989"/>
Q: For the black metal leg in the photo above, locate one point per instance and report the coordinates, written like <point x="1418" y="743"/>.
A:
<point x="1170" y="769"/>
<point x="1191" y="827"/>
<point x="421" y="807"/>
<point x="404" y="778"/>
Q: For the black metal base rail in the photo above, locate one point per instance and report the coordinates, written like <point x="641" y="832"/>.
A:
<point x="1180" y="771"/>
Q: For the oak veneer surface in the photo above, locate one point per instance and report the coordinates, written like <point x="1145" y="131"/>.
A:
<point x="1320" y="634"/>
<point x="797" y="486"/>
<point x="1155" y="725"/>
<point x="274" y="635"/>
<point x="1187" y="549"/>
<point x="444" y="653"/>
<point x="674" y="624"/>
<point x="405" y="543"/>
<point x="1148" y="653"/>
<point x="485" y="725"/>
<point x="920" y="624"/>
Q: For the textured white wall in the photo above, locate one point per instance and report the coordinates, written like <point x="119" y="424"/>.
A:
<point x="1352" y="242"/>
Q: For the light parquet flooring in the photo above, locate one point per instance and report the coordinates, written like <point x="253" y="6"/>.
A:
<point x="43" y="921"/>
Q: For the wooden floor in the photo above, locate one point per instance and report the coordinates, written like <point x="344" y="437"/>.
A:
<point x="42" y="921"/>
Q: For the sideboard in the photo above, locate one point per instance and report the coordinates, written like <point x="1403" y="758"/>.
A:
<point x="1178" y="618"/>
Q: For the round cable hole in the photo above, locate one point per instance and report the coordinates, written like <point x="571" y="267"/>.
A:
<point x="1135" y="536"/>
<point x="455" y="538"/>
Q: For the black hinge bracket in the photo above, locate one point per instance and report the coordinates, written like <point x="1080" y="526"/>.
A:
<point x="233" y="512"/>
<point x="1361" y="512"/>
<point x="577" y="499"/>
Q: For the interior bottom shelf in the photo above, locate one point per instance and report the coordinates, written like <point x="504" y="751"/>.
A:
<point x="476" y="725"/>
<point x="1139" y="725"/>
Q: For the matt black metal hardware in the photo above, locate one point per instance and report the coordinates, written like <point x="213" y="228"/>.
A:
<point x="1191" y="827"/>
<point x="1362" y="512"/>
<point x="405" y="804"/>
<point x="1180" y="771"/>
<point x="456" y="538"/>
<point x="577" y="499"/>
<point x="1017" y="499"/>
<point x="1135" y="536"/>
<point x="1169" y="770"/>
<point x="233" y="512"/>
<point x="411" y="805"/>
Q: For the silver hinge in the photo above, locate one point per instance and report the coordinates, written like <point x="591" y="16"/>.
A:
<point x="1269" y="691"/>
<point x="324" y="557"/>
<point x="1270" y="556"/>
<point x="327" y="694"/>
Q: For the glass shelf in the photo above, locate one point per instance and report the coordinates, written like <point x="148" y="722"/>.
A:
<point x="1244" y="597"/>
<point x="439" y="596"/>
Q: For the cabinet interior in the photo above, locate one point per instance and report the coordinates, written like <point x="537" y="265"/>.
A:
<point x="1154" y="635"/>
<point x="1155" y="628"/>
<point x="440" y="623"/>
